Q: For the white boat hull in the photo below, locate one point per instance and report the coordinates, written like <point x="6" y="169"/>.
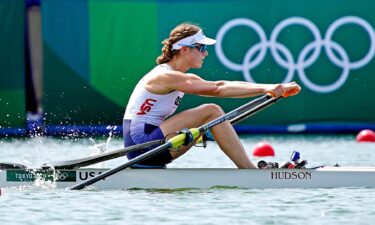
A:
<point x="327" y="177"/>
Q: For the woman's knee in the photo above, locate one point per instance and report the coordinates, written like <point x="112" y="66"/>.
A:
<point x="212" y="110"/>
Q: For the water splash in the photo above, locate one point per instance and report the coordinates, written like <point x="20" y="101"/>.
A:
<point x="100" y="148"/>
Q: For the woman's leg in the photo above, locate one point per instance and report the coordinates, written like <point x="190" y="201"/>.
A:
<point x="224" y="134"/>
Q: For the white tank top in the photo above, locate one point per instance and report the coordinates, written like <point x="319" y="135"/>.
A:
<point x="146" y="107"/>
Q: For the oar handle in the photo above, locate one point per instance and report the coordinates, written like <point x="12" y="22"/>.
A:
<point x="242" y="112"/>
<point x="257" y="108"/>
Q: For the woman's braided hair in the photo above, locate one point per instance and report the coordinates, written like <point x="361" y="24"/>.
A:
<point x="180" y="32"/>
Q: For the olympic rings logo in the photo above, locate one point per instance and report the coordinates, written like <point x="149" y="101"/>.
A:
<point x="61" y="176"/>
<point x="304" y="59"/>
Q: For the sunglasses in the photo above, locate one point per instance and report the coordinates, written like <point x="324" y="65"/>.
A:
<point x="201" y="48"/>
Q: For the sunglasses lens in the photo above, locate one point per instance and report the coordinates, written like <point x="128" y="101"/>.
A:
<point x="203" y="48"/>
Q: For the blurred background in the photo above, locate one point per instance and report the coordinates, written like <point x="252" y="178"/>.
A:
<point x="69" y="66"/>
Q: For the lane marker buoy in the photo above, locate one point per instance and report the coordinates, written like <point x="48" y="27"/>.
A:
<point x="263" y="149"/>
<point x="366" y="136"/>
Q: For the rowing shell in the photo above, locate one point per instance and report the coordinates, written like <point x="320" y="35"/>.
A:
<point x="324" y="177"/>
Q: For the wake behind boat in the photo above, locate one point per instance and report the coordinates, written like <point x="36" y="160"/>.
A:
<point x="323" y="177"/>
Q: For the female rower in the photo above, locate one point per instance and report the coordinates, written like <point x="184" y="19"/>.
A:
<point x="158" y="94"/>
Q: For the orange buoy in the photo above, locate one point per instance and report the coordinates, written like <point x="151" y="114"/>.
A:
<point x="366" y="136"/>
<point x="263" y="149"/>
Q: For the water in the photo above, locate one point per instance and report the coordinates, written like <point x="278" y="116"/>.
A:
<point x="40" y="205"/>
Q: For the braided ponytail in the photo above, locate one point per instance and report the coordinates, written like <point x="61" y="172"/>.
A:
<point x="179" y="32"/>
<point x="167" y="52"/>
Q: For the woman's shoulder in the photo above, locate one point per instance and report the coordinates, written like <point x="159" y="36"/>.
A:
<point x="162" y="68"/>
<point x="159" y="69"/>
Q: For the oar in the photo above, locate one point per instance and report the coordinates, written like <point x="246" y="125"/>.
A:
<point x="7" y="165"/>
<point x="76" y="163"/>
<point x="258" y="104"/>
<point x="179" y="140"/>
